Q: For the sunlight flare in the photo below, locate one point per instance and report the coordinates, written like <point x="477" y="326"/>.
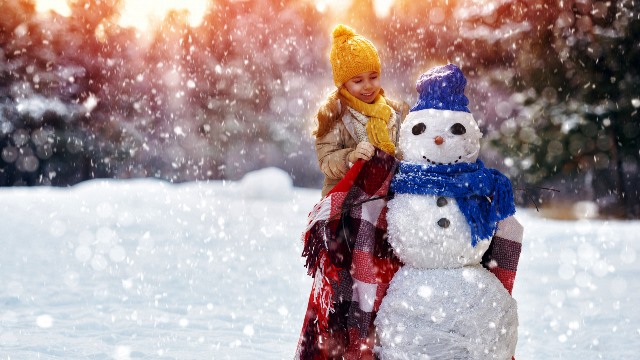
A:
<point x="59" y="6"/>
<point x="142" y="13"/>
<point x="381" y="7"/>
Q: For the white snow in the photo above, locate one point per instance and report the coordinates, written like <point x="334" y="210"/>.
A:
<point x="144" y="269"/>
<point x="465" y="313"/>
<point x="37" y="105"/>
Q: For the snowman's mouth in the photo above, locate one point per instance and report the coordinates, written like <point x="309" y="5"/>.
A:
<point x="449" y="163"/>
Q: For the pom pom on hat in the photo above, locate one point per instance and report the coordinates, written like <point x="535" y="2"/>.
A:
<point x="342" y="30"/>
<point x="442" y="88"/>
<point x="351" y="54"/>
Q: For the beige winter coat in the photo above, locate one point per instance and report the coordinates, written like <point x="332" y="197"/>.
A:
<point x="334" y="146"/>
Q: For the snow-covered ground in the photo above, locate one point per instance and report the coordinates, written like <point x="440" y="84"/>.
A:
<point x="144" y="269"/>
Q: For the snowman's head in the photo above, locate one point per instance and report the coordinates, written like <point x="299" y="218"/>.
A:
<point x="436" y="137"/>
<point x="440" y="128"/>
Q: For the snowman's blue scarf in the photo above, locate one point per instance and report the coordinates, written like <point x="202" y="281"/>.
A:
<point x="484" y="196"/>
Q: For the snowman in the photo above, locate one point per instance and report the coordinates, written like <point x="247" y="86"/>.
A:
<point x="446" y="208"/>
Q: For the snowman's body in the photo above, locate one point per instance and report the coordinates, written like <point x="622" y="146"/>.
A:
<point x="419" y="240"/>
<point x="442" y="304"/>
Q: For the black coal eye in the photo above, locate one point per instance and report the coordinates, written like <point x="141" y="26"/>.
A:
<point x="444" y="223"/>
<point x="418" y="129"/>
<point x="458" y="129"/>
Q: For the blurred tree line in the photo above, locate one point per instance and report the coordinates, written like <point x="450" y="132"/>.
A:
<point x="82" y="98"/>
<point x="554" y="86"/>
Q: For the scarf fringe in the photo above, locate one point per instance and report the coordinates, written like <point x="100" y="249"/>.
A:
<point x="311" y="252"/>
<point x="323" y="290"/>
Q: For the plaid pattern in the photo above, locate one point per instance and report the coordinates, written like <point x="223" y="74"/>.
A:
<point x="502" y="259"/>
<point x="352" y="263"/>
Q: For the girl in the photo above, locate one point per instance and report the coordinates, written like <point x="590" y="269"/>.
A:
<point x="357" y="116"/>
<point x="355" y="120"/>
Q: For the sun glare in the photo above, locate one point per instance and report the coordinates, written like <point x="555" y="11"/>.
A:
<point x="59" y="6"/>
<point x="335" y="5"/>
<point x="139" y="13"/>
<point x="142" y="13"/>
<point x="382" y="7"/>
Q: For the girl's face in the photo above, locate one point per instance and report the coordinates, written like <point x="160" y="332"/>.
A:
<point x="365" y="87"/>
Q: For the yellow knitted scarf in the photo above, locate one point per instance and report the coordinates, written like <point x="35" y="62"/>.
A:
<point x="379" y="114"/>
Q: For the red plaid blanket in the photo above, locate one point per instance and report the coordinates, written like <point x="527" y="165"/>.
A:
<point x="352" y="263"/>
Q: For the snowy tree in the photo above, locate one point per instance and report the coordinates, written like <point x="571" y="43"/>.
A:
<point x="552" y="83"/>
<point x="38" y="108"/>
<point x="263" y="80"/>
<point x="209" y="102"/>
<point x="573" y="119"/>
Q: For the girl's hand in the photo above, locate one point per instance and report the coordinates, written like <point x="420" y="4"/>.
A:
<point x="364" y="150"/>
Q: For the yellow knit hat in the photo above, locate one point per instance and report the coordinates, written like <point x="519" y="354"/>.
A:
<point x="351" y="54"/>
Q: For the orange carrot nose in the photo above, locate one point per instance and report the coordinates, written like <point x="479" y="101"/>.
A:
<point x="439" y="140"/>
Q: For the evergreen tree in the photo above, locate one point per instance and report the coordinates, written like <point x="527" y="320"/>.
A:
<point x="86" y="98"/>
<point x="264" y="81"/>
<point x="575" y="112"/>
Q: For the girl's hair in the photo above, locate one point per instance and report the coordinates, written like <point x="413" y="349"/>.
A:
<point x="328" y="113"/>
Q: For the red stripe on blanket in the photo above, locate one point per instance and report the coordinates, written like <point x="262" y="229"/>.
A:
<point x="363" y="267"/>
<point x="506" y="277"/>
<point x="347" y="181"/>
<point x="381" y="291"/>
<point x="359" y="348"/>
